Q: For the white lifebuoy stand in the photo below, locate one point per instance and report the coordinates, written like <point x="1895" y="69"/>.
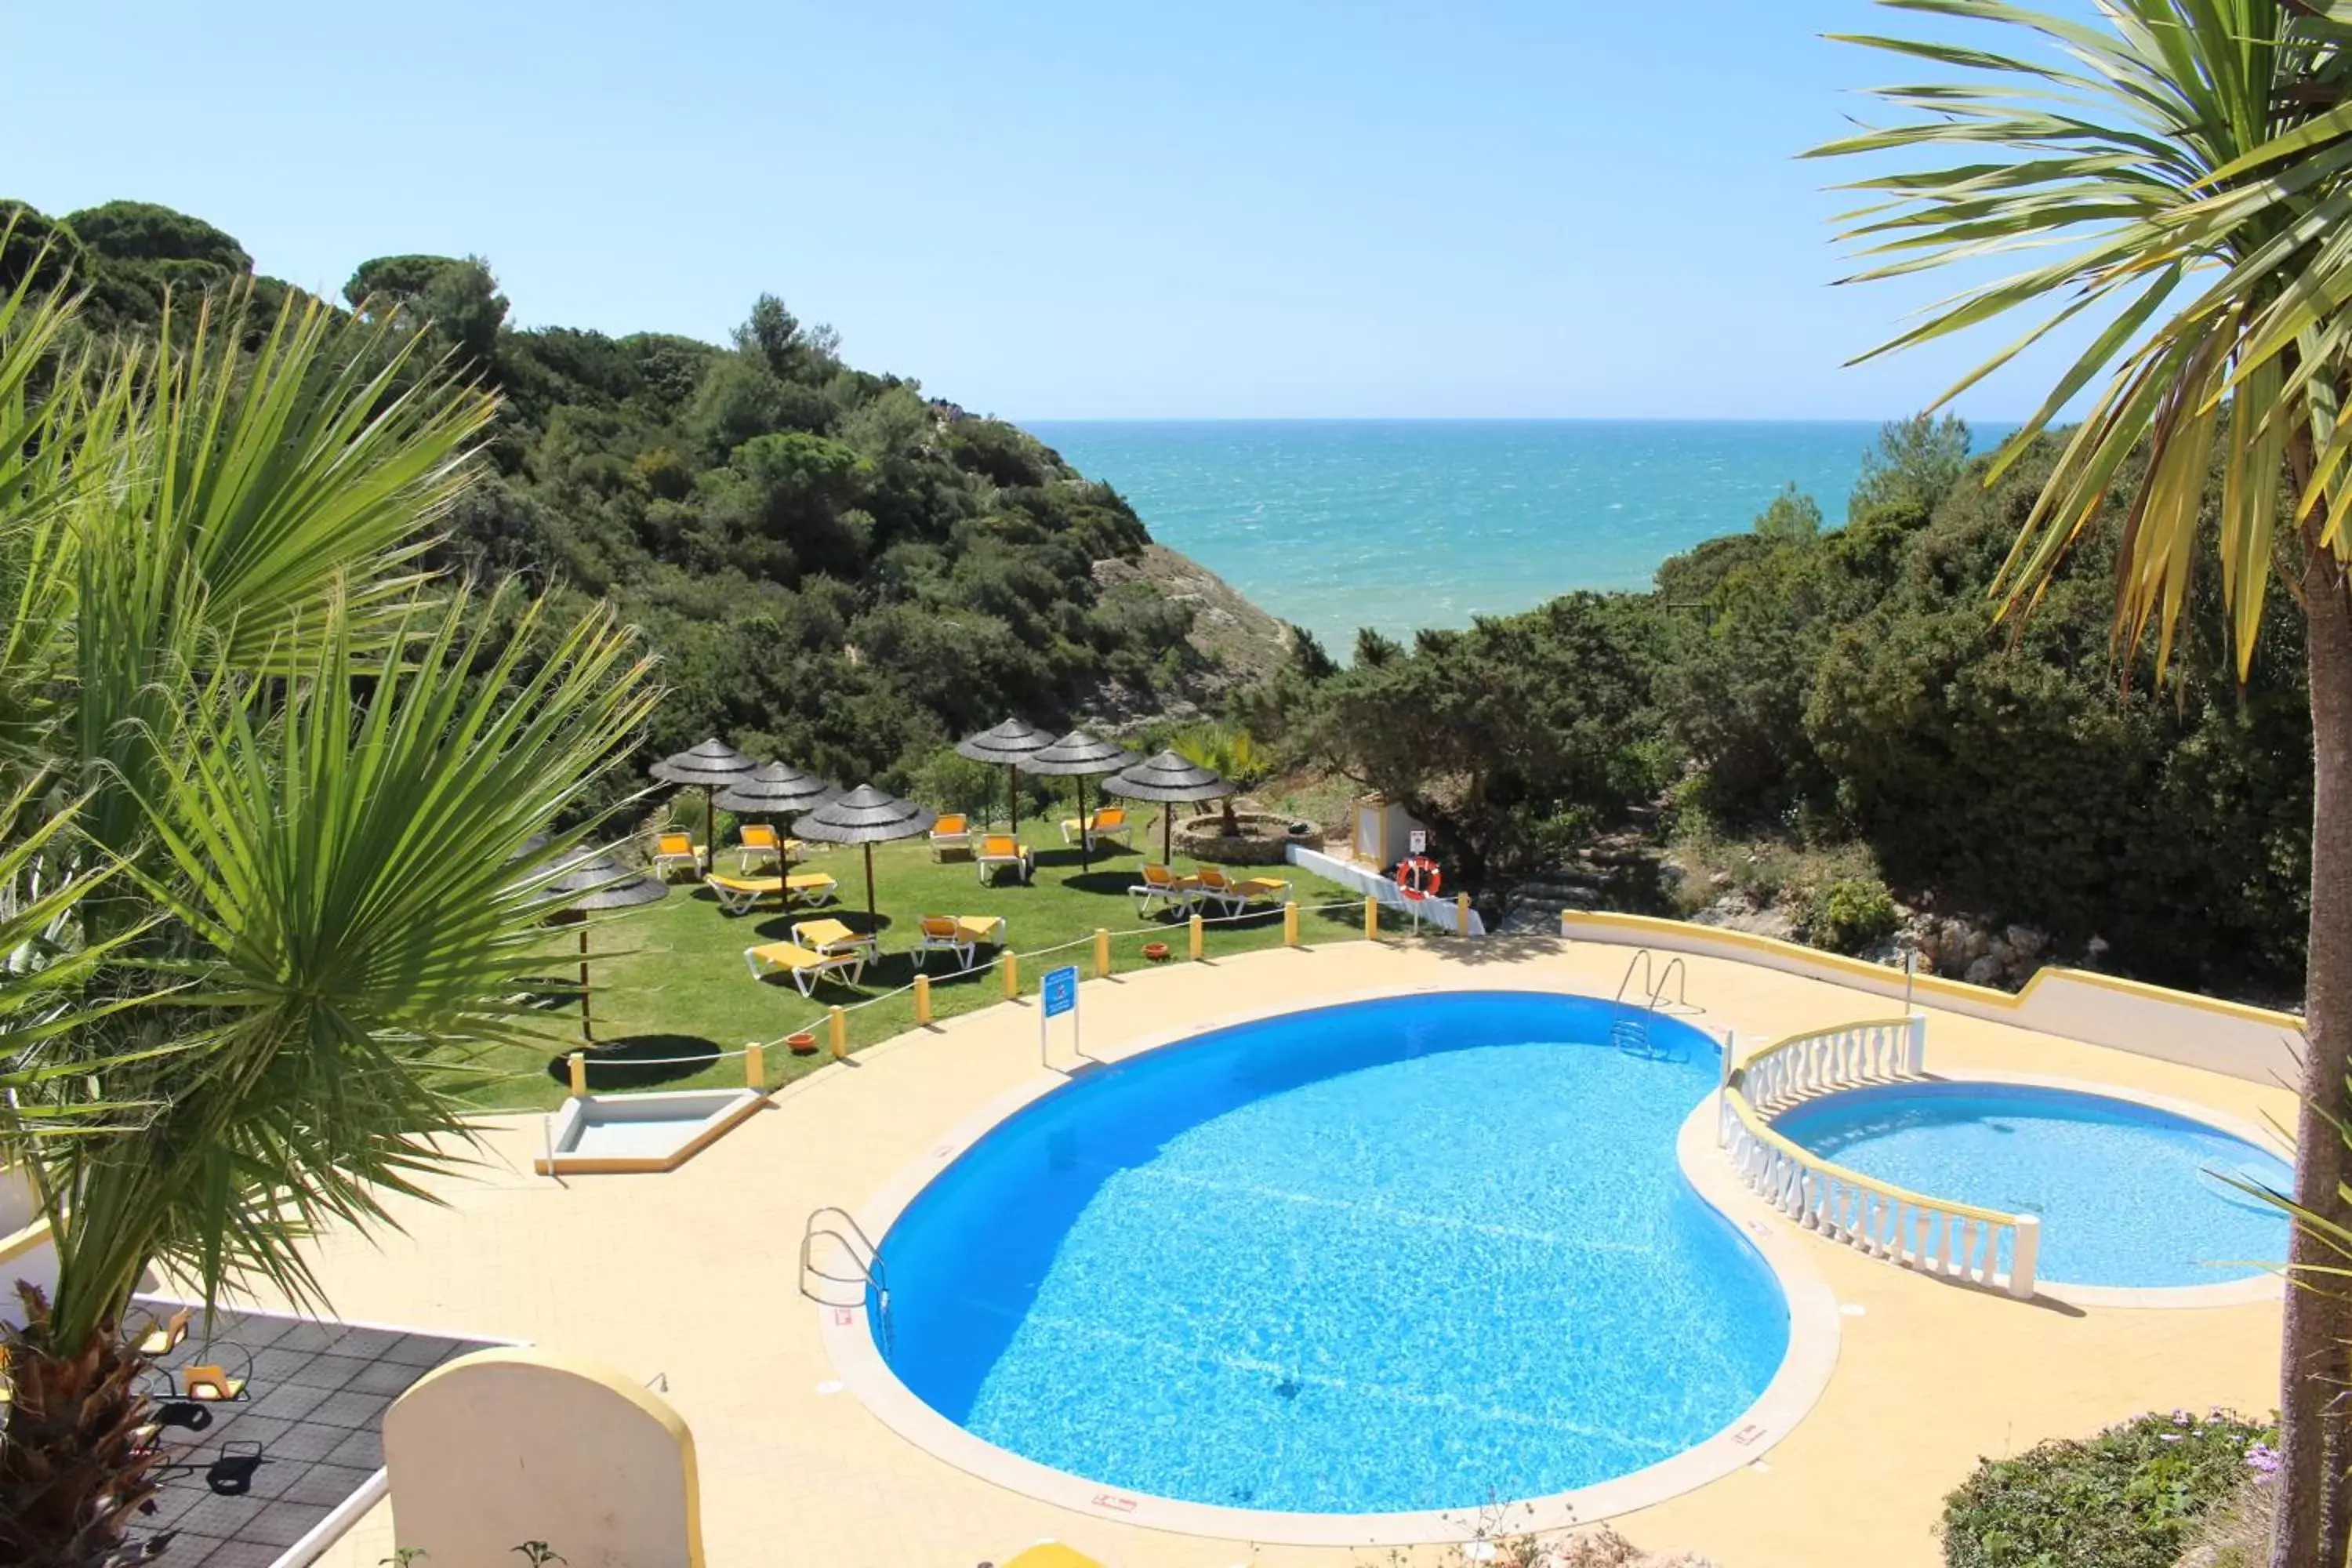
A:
<point x="1416" y="847"/>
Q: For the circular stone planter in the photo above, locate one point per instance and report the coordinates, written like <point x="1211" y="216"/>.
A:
<point x="1258" y="842"/>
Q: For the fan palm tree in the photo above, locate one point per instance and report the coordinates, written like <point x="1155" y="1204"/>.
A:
<point x="306" y="768"/>
<point x="2179" y="174"/>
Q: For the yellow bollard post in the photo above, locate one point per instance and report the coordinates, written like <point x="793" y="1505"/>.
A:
<point x="1460" y="914"/>
<point x="1194" y="934"/>
<point x="579" y="1072"/>
<point x="1011" y="976"/>
<point x="755" y="1065"/>
<point x="840" y="1024"/>
<point x="1102" y="953"/>
<point x="1290" y="922"/>
<point x="1371" y="918"/>
<point x="923" y="999"/>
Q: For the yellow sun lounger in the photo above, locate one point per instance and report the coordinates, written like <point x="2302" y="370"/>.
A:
<point x="1163" y="887"/>
<point x="673" y="850"/>
<point x="1051" y="1554"/>
<point x="1234" y="894"/>
<point x="806" y="968"/>
<point x="999" y="850"/>
<point x="831" y="936"/>
<point x="737" y="895"/>
<point x="951" y="831"/>
<point x="960" y="935"/>
<point x="759" y="845"/>
<point x="1110" y="823"/>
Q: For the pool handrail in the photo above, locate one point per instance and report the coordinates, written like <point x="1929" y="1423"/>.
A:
<point x="1654" y="981"/>
<point x="1939" y="1237"/>
<point x="828" y="1222"/>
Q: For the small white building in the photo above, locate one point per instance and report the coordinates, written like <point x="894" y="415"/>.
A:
<point x="1380" y="833"/>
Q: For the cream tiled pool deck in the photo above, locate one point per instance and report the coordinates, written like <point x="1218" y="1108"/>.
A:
<point x="691" y="1277"/>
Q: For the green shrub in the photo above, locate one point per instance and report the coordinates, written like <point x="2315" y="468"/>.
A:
<point x="2126" y="1499"/>
<point x="949" y="781"/>
<point x="1847" y="914"/>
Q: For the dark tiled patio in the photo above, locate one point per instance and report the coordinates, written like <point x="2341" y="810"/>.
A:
<point x="244" y="1480"/>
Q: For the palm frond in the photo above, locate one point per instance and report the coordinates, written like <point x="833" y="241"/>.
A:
<point x="2185" y="170"/>
<point x="343" y="858"/>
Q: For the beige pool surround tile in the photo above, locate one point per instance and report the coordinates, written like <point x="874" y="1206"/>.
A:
<point x="691" y="1276"/>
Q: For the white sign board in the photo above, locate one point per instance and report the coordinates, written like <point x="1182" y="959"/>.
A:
<point x="1059" y="994"/>
<point x="1420" y="837"/>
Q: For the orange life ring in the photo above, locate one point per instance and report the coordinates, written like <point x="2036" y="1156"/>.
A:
<point x="1417" y="877"/>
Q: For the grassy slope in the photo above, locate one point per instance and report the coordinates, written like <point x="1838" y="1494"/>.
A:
<point x="670" y="979"/>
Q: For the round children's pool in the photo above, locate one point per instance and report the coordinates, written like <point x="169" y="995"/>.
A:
<point x="1409" y="1255"/>
<point x="2129" y="1195"/>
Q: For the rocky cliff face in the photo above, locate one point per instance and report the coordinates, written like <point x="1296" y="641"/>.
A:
<point x="1243" y="643"/>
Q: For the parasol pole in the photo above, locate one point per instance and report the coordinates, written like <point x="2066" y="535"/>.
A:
<point x="873" y="920"/>
<point x="1086" y="837"/>
<point x="587" y="1033"/>
<point x="1168" y="833"/>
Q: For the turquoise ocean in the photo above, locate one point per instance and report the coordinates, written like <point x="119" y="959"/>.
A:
<point x="1337" y="524"/>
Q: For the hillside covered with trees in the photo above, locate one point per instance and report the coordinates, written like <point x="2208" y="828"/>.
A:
<point x="834" y="569"/>
<point x="841" y="572"/>
<point x="1835" y="706"/>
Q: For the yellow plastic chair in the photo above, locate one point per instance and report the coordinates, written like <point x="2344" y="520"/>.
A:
<point x="210" y="1384"/>
<point x="165" y="1337"/>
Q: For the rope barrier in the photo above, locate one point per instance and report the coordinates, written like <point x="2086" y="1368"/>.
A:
<point x="994" y="962"/>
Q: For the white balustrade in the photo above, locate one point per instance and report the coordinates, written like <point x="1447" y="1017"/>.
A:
<point x="1848" y="1057"/>
<point x="1951" y="1240"/>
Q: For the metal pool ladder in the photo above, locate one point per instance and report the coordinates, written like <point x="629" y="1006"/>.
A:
<point x="1632" y="1034"/>
<point x="850" y="1240"/>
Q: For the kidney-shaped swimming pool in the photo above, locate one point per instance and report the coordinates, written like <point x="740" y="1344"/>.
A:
<point x="1396" y="1256"/>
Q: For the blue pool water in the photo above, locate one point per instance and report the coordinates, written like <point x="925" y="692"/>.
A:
<point x="1400" y="1254"/>
<point x="2128" y="1195"/>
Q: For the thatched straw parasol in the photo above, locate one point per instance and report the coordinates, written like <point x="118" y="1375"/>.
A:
<point x="593" y="885"/>
<point x="1080" y="756"/>
<point x="713" y="764"/>
<point x="1166" y="778"/>
<point x="864" y="816"/>
<point x="774" y="790"/>
<point x="1010" y="745"/>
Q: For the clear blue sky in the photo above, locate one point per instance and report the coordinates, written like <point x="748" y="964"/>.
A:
<point x="1052" y="210"/>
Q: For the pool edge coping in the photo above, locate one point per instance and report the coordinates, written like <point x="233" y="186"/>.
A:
<point x="1795" y="1388"/>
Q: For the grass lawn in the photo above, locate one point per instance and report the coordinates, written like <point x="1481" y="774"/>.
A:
<point x="668" y="980"/>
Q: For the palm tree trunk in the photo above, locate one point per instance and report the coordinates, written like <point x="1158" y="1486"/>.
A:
<point x="72" y="1473"/>
<point x="2314" y="1517"/>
